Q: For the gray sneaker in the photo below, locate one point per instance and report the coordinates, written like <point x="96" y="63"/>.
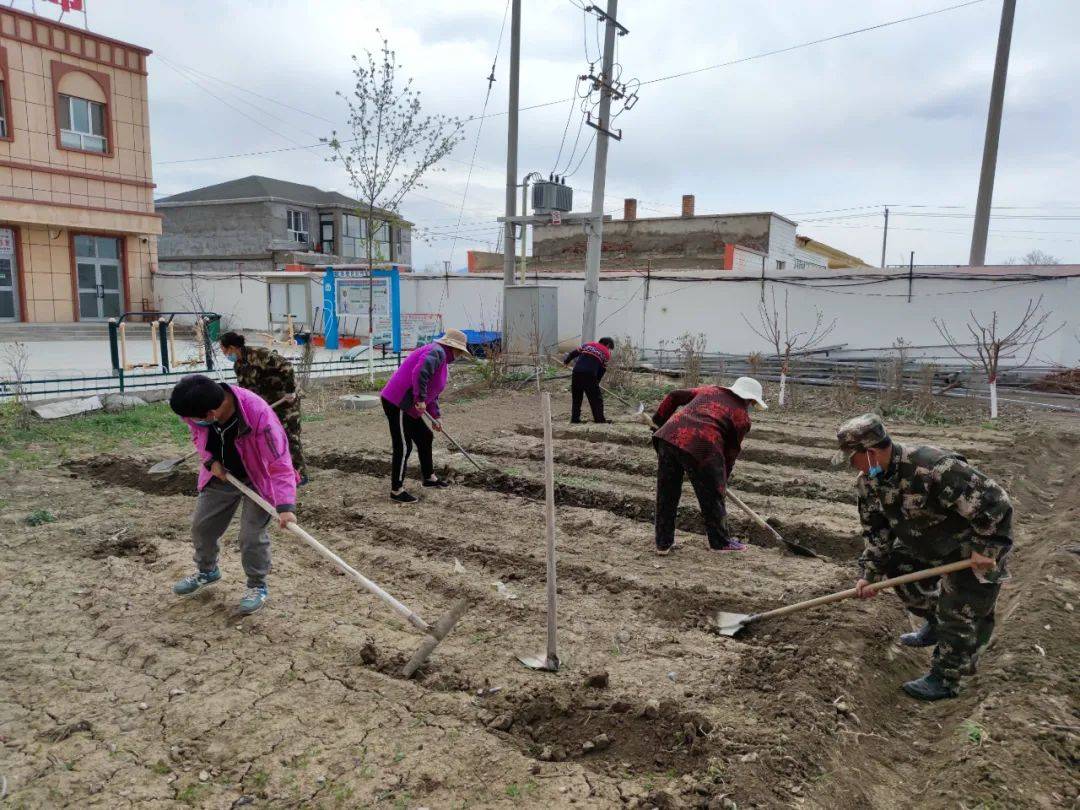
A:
<point x="192" y="583"/>
<point x="253" y="599"/>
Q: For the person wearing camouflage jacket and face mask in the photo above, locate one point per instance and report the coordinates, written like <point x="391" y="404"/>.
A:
<point x="270" y="376"/>
<point x="921" y="506"/>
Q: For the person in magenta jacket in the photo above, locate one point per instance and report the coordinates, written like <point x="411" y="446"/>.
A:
<point x="410" y="392"/>
<point x="234" y="431"/>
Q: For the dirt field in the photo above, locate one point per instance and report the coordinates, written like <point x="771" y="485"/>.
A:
<point x="114" y="693"/>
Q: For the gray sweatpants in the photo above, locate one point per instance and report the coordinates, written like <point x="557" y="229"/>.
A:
<point x="214" y="509"/>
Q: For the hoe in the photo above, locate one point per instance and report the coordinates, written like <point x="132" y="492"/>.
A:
<point x="730" y="624"/>
<point x="434" y="632"/>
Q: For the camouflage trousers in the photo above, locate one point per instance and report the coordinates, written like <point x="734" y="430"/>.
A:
<point x="959" y="606"/>
<point x="290" y="420"/>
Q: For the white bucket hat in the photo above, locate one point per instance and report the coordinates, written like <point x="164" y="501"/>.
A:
<point x="748" y="388"/>
<point x="455" y="339"/>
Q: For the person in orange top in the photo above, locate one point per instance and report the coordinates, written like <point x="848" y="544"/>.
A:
<point x="698" y="433"/>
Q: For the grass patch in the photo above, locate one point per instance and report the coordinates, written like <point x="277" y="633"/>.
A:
<point x="192" y="794"/>
<point x="45" y="442"/>
<point x="974" y="733"/>
<point x="39" y="517"/>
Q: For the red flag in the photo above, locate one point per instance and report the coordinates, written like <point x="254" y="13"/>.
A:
<point x="69" y="5"/>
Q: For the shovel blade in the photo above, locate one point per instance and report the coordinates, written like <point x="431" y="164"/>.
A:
<point x="166" y="466"/>
<point x="544" y="663"/>
<point x="729" y="624"/>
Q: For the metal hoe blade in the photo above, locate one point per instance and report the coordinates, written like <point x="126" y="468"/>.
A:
<point x="545" y="663"/>
<point x="167" y="466"/>
<point x="730" y="624"/>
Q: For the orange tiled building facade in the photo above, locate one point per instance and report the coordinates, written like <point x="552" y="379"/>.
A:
<point x="78" y="232"/>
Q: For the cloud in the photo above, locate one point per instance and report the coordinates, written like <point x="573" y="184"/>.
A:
<point x="895" y="115"/>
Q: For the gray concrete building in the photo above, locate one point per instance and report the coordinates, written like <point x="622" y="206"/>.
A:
<point x="259" y="224"/>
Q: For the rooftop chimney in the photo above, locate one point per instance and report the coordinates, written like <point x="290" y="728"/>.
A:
<point x="687" y="205"/>
<point x="629" y="209"/>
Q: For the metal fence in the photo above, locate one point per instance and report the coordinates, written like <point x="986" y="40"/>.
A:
<point x="46" y="386"/>
<point x="882" y="372"/>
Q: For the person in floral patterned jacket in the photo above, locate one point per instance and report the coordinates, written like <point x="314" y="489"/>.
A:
<point x="698" y="433"/>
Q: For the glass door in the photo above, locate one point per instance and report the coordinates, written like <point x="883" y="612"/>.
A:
<point x="97" y="270"/>
<point x="9" y="293"/>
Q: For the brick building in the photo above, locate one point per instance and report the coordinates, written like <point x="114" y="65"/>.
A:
<point x="78" y="232"/>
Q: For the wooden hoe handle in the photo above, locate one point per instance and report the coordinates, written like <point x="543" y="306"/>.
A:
<point x="327" y="554"/>
<point x="915" y="576"/>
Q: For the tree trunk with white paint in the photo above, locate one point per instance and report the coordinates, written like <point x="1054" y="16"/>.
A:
<point x="993" y="399"/>
<point x="783" y="387"/>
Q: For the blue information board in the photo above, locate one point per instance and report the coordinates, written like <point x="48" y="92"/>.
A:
<point x="333" y="280"/>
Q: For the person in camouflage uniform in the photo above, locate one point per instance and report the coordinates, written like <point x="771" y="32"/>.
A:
<point x="270" y="376"/>
<point x="920" y="507"/>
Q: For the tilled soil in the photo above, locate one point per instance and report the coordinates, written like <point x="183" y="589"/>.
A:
<point x="115" y="693"/>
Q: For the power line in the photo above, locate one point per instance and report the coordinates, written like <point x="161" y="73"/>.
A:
<point x="811" y="43"/>
<point x="228" y="104"/>
<point x="479" y="129"/>
<point x="252" y="92"/>
<point x="717" y="66"/>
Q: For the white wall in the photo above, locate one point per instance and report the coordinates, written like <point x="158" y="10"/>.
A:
<point x="869" y="314"/>
<point x="871" y="309"/>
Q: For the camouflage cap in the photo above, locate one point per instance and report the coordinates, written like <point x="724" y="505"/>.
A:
<point x="860" y="433"/>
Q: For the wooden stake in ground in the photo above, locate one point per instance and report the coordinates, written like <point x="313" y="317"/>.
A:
<point x="154" y="325"/>
<point x="550" y="661"/>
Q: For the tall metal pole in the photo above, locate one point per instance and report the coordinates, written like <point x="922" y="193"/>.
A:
<point x="596" y="224"/>
<point x="993" y="133"/>
<point x="885" y="236"/>
<point x="512" y="150"/>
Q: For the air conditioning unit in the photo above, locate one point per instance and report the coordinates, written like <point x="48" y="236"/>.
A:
<point x="548" y="196"/>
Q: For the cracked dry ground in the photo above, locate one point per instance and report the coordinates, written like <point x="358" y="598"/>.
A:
<point x="114" y="693"/>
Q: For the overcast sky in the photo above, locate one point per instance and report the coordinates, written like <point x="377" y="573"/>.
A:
<point x="895" y="116"/>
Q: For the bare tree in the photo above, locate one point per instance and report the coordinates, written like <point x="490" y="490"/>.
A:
<point x="1034" y="257"/>
<point x="990" y="346"/>
<point x="775" y="329"/>
<point x="17" y="361"/>
<point x="392" y="146"/>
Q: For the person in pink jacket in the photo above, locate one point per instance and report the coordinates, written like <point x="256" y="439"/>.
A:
<point x="412" y="391"/>
<point x="234" y="431"/>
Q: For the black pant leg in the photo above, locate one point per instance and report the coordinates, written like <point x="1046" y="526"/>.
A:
<point x="577" y="392"/>
<point x="596" y="398"/>
<point x="709" y="484"/>
<point x="400" y="443"/>
<point x="420" y="435"/>
<point x="669" y="479"/>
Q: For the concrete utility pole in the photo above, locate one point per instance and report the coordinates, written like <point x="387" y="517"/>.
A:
<point x="596" y="224"/>
<point x="512" y="148"/>
<point x="993" y="132"/>
<point x="885" y="237"/>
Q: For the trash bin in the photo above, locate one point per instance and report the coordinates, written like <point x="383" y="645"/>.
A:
<point x="213" y="326"/>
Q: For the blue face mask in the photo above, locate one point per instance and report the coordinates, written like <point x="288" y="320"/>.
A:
<point x="204" y="422"/>
<point x="875" y="470"/>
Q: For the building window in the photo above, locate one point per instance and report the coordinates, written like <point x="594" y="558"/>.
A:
<point x="352" y="236"/>
<point x="82" y="124"/>
<point x="326" y="234"/>
<point x="298" y="231"/>
<point x="380" y="247"/>
<point x="3" y="111"/>
<point x="780" y="265"/>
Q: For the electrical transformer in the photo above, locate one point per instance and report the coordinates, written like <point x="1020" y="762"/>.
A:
<point x="551" y="195"/>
